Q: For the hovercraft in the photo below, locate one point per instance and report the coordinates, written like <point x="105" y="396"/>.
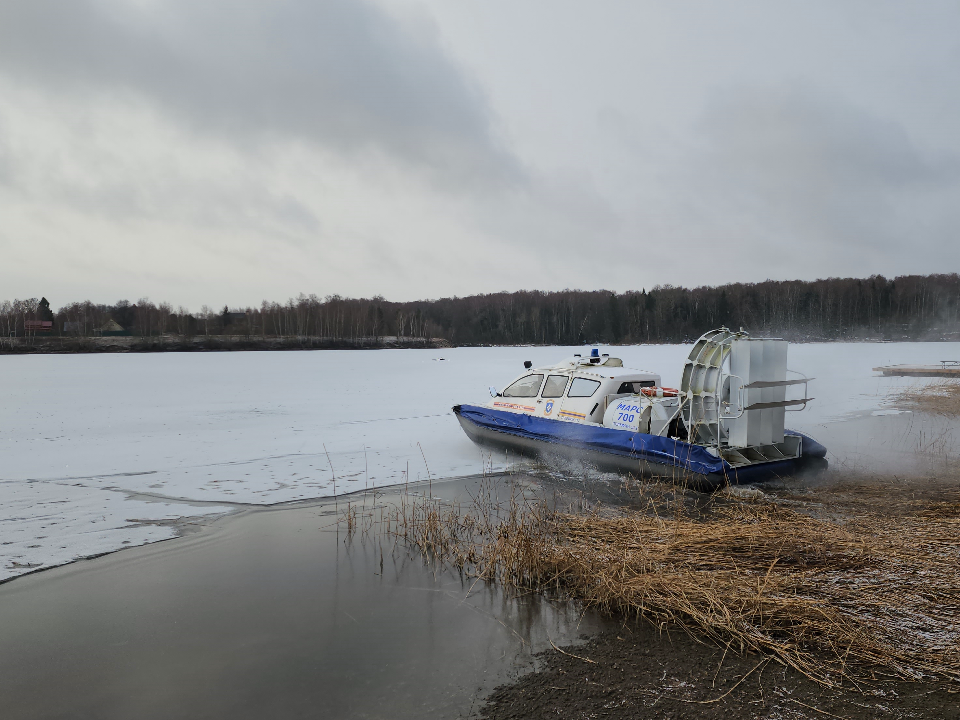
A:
<point x="723" y="425"/>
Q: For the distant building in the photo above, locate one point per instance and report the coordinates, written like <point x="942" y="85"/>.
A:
<point x="38" y="327"/>
<point x="112" y="327"/>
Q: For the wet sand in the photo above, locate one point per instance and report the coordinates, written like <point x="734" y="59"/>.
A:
<point x="269" y="613"/>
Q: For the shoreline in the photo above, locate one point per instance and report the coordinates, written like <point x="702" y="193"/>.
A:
<point x="218" y="343"/>
<point x="658" y="664"/>
<point x="188" y="525"/>
<point x="239" y="343"/>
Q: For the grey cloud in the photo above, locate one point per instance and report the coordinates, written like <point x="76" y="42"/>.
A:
<point x="797" y="134"/>
<point x="806" y="165"/>
<point x="6" y="159"/>
<point x="340" y="73"/>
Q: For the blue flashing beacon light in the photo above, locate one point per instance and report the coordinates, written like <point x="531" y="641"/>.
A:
<point x="595" y="353"/>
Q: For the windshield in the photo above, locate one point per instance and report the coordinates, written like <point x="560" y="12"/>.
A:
<point x="524" y="387"/>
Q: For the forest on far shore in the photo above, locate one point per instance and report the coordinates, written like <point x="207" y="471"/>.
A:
<point x="914" y="307"/>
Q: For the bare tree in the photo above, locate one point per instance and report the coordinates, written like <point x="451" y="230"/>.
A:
<point x="183" y="316"/>
<point x="145" y="312"/>
<point x="164" y="310"/>
<point x="206" y="312"/>
<point x="8" y="322"/>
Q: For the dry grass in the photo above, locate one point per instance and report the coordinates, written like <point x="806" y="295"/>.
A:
<point x="835" y="598"/>
<point x="940" y="398"/>
<point x="775" y="581"/>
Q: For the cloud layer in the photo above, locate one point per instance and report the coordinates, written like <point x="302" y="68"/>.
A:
<point x="230" y="151"/>
<point x="340" y="73"/>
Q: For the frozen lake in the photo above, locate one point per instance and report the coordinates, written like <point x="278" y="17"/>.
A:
<point x="100" y="452"/>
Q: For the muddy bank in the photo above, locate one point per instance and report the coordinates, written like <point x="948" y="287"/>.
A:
<point x="640" y="672"/>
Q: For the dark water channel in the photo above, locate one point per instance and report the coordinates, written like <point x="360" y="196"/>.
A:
<point x="272" y="613"/>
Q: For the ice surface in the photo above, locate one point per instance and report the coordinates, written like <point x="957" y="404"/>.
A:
<point x="44" y="523"/>
<point x="98" y="452"/>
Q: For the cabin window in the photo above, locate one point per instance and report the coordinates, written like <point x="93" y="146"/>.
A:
<point x="555" y="386"/>
<point x="581" y="387"/>
<point x="633" y="386"/>
<point x="527" y="386"/>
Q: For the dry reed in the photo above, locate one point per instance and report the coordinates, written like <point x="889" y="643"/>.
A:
<point x="940" y="398"/>
<point x="874" y="593"/>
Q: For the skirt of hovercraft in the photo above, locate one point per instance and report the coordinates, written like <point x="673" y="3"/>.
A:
<point x="616" y="451"/>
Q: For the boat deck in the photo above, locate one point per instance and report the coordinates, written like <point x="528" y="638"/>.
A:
<point x="946" y="369"/>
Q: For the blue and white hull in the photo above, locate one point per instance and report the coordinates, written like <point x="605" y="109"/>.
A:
<point x="624" y="451"/>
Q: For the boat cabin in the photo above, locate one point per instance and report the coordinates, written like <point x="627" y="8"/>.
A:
<point x="576" y="390"/>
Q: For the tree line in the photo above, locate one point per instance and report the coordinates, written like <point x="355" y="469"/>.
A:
<point x="906" y="307"/>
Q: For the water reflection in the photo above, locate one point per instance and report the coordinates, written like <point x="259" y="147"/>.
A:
<point x="269" y="614"/>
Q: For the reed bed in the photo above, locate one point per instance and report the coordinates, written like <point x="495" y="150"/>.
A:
<point x="939" y="398"/>
<point x="867" y="595"/>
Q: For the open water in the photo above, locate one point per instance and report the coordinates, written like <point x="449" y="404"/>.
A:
<point x="272" y="613"/>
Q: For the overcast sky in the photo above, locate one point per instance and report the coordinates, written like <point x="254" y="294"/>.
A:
<point x="227" y="151"/>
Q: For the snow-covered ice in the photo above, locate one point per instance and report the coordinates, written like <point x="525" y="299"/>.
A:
<point x="44" y="524"/>
<point x="99" y="452"/>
